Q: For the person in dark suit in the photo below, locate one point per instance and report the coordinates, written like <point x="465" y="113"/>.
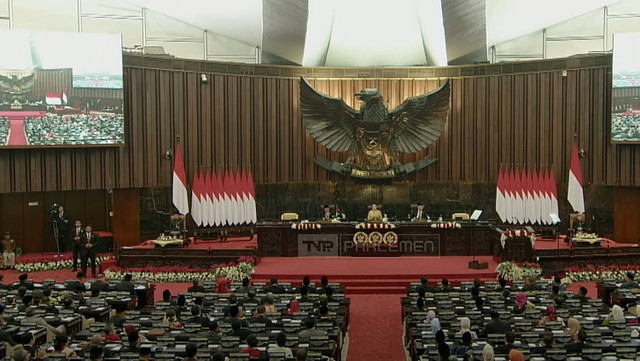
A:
<point x="509" y="340"/>
<point x="87" y="253"/>
<point x="310" y="325"/>
<point x="75" y="237"/>
<point x="274" y="287"/>
<point x="576" y="347"/>
<point x="197" y="318"/>
<point x="419" y="214"/>
<point x="61" y="219"/>
<point x="578" y="224"/>
<point x="444" y="286"/>
<point x="100" y="284"/>
<point x="424" y="285"/>
<point x="582" y="295"/>
<point x="79" y="281"/>
<point x="496" y="325"/>
<point x="629" y="281"/>
<point x="197" y="287"/>
<point x="239" y="331"/>
<point x="126" y="285"/>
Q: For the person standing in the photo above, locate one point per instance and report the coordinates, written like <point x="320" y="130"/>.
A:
<point x="8" y="253"/>
<point x="420" y="214"/>
<point x="87" y="253"/>
<point x="75" y="237"/>
<point x="61" y="219"/>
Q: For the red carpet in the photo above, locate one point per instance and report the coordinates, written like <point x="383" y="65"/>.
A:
<point x="16" y="125"/>
<point x="375" y="328"/>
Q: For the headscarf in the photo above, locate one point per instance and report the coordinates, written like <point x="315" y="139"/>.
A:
<point x="465" y="325"/>
<point x="617" y="313"/>
<point x="435" y="325"/>
<point x="574" y="328"/>
<point x="551" y="313"/>
<point x="293" y="307"/>
<point x="430" y="316"/>
<point x="487" y="353"/>
<point x="515" y="355"/>
<point x="521" y="299"/>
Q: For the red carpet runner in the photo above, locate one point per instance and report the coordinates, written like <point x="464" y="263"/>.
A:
<point x="16" y="128"/>
<point x="375" y="328"/>
<point x="16" y="125"/>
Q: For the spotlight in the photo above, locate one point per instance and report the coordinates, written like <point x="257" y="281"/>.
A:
<point x="168" y="154"/>
<point x="203" y="78"/>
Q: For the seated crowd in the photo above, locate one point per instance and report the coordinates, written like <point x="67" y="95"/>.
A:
<point x="77" y="129"/>
<point x="532" y="320"/>
<point x="102" y="320"/>
<point x="4" y="131"/>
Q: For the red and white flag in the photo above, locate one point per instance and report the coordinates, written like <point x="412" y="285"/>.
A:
<point x="575" y="195"/>
<point x="180" y="195"/>
<point x="227" y="199"/>
<point x="218" y="213"/>
<point x="205" y="199"/>
<point x="508" y="196"/>
<point x="196" y="213"/>
<point x="500" y="197"/>
<point x="246" y="203"/>
<point x="554" y="193"/>
<point x="252" y="199"/>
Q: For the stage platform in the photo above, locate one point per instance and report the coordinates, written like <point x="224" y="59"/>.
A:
<point x="200" y="254"/>
<point x="366" y="275"/>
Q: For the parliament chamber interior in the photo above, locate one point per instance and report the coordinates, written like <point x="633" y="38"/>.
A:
<point x="320" y="180"/>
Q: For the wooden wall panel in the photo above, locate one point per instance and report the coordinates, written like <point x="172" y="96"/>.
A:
<point x="626" y="214"/>
<point x="126" y="217"/>
<point x="236" y="120"/>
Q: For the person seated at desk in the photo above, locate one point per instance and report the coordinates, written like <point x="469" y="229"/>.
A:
<point x="420" y="214"/>
<point x="578" y="224"/>
<point x="629" y="281"/>
<point x="326" y="215"/>
<point x="374" y="215"/>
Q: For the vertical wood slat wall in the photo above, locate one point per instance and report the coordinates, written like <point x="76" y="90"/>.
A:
<point x="236" y="120"/>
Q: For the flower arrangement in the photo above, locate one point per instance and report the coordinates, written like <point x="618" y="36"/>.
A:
<point x="305" y="226"/>
<point x="52" y="264"/>
<point x="514" y="271"/>
<point x="446" y="225"/>
<point x="517" y="234"/>
<point x="584" y="235"/>
<point x="592" y="273"/>
<point x="231" y="271"/>
<point x="375" y="226"/>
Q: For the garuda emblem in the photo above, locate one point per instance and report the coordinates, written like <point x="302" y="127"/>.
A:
<point x="374" y="136"/>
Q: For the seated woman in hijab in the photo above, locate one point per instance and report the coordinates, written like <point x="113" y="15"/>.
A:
<point x="431" y="315"/>
<point x="573" y="328"/>
<point x="617" y="314"/>
<point x="487" y="353"/>
<point x="550" y="315"/>
<point x="465" y="326"/>
<point x="515" y="355"/>
<point x="435" y="326"/>
<point x="521" y="304"/>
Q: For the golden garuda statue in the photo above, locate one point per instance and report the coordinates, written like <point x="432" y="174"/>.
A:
<point x="374" y="136"/>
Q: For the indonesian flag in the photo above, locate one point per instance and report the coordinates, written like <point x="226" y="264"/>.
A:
<point x="206" y="199"/>
<point x="533" y="181"/>
<point x="252" y="199"/>
<point x="237" y="199"/>
<point x="218" y="212"/>
<point x="528" y="197"/>
<point x="246" y="202"/>
<point x="554" y="193"/>
<point x="53" y="99"/>
<point x="518" y="196"/>
<point x="227" y="199"/>
<point x="196" y="213"/>
<point x="500" y="198"/>
<point x="575" y="195"/>
<point x="64" y="97"/>
<point x="508" y="197"/>
<point x="180" y="195"/>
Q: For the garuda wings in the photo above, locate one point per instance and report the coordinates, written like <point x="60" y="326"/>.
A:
<point x="373" y="136"/>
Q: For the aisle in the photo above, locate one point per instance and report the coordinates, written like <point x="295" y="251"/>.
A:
<point x="16" y="132"/>
<point x="375" y="328"/>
